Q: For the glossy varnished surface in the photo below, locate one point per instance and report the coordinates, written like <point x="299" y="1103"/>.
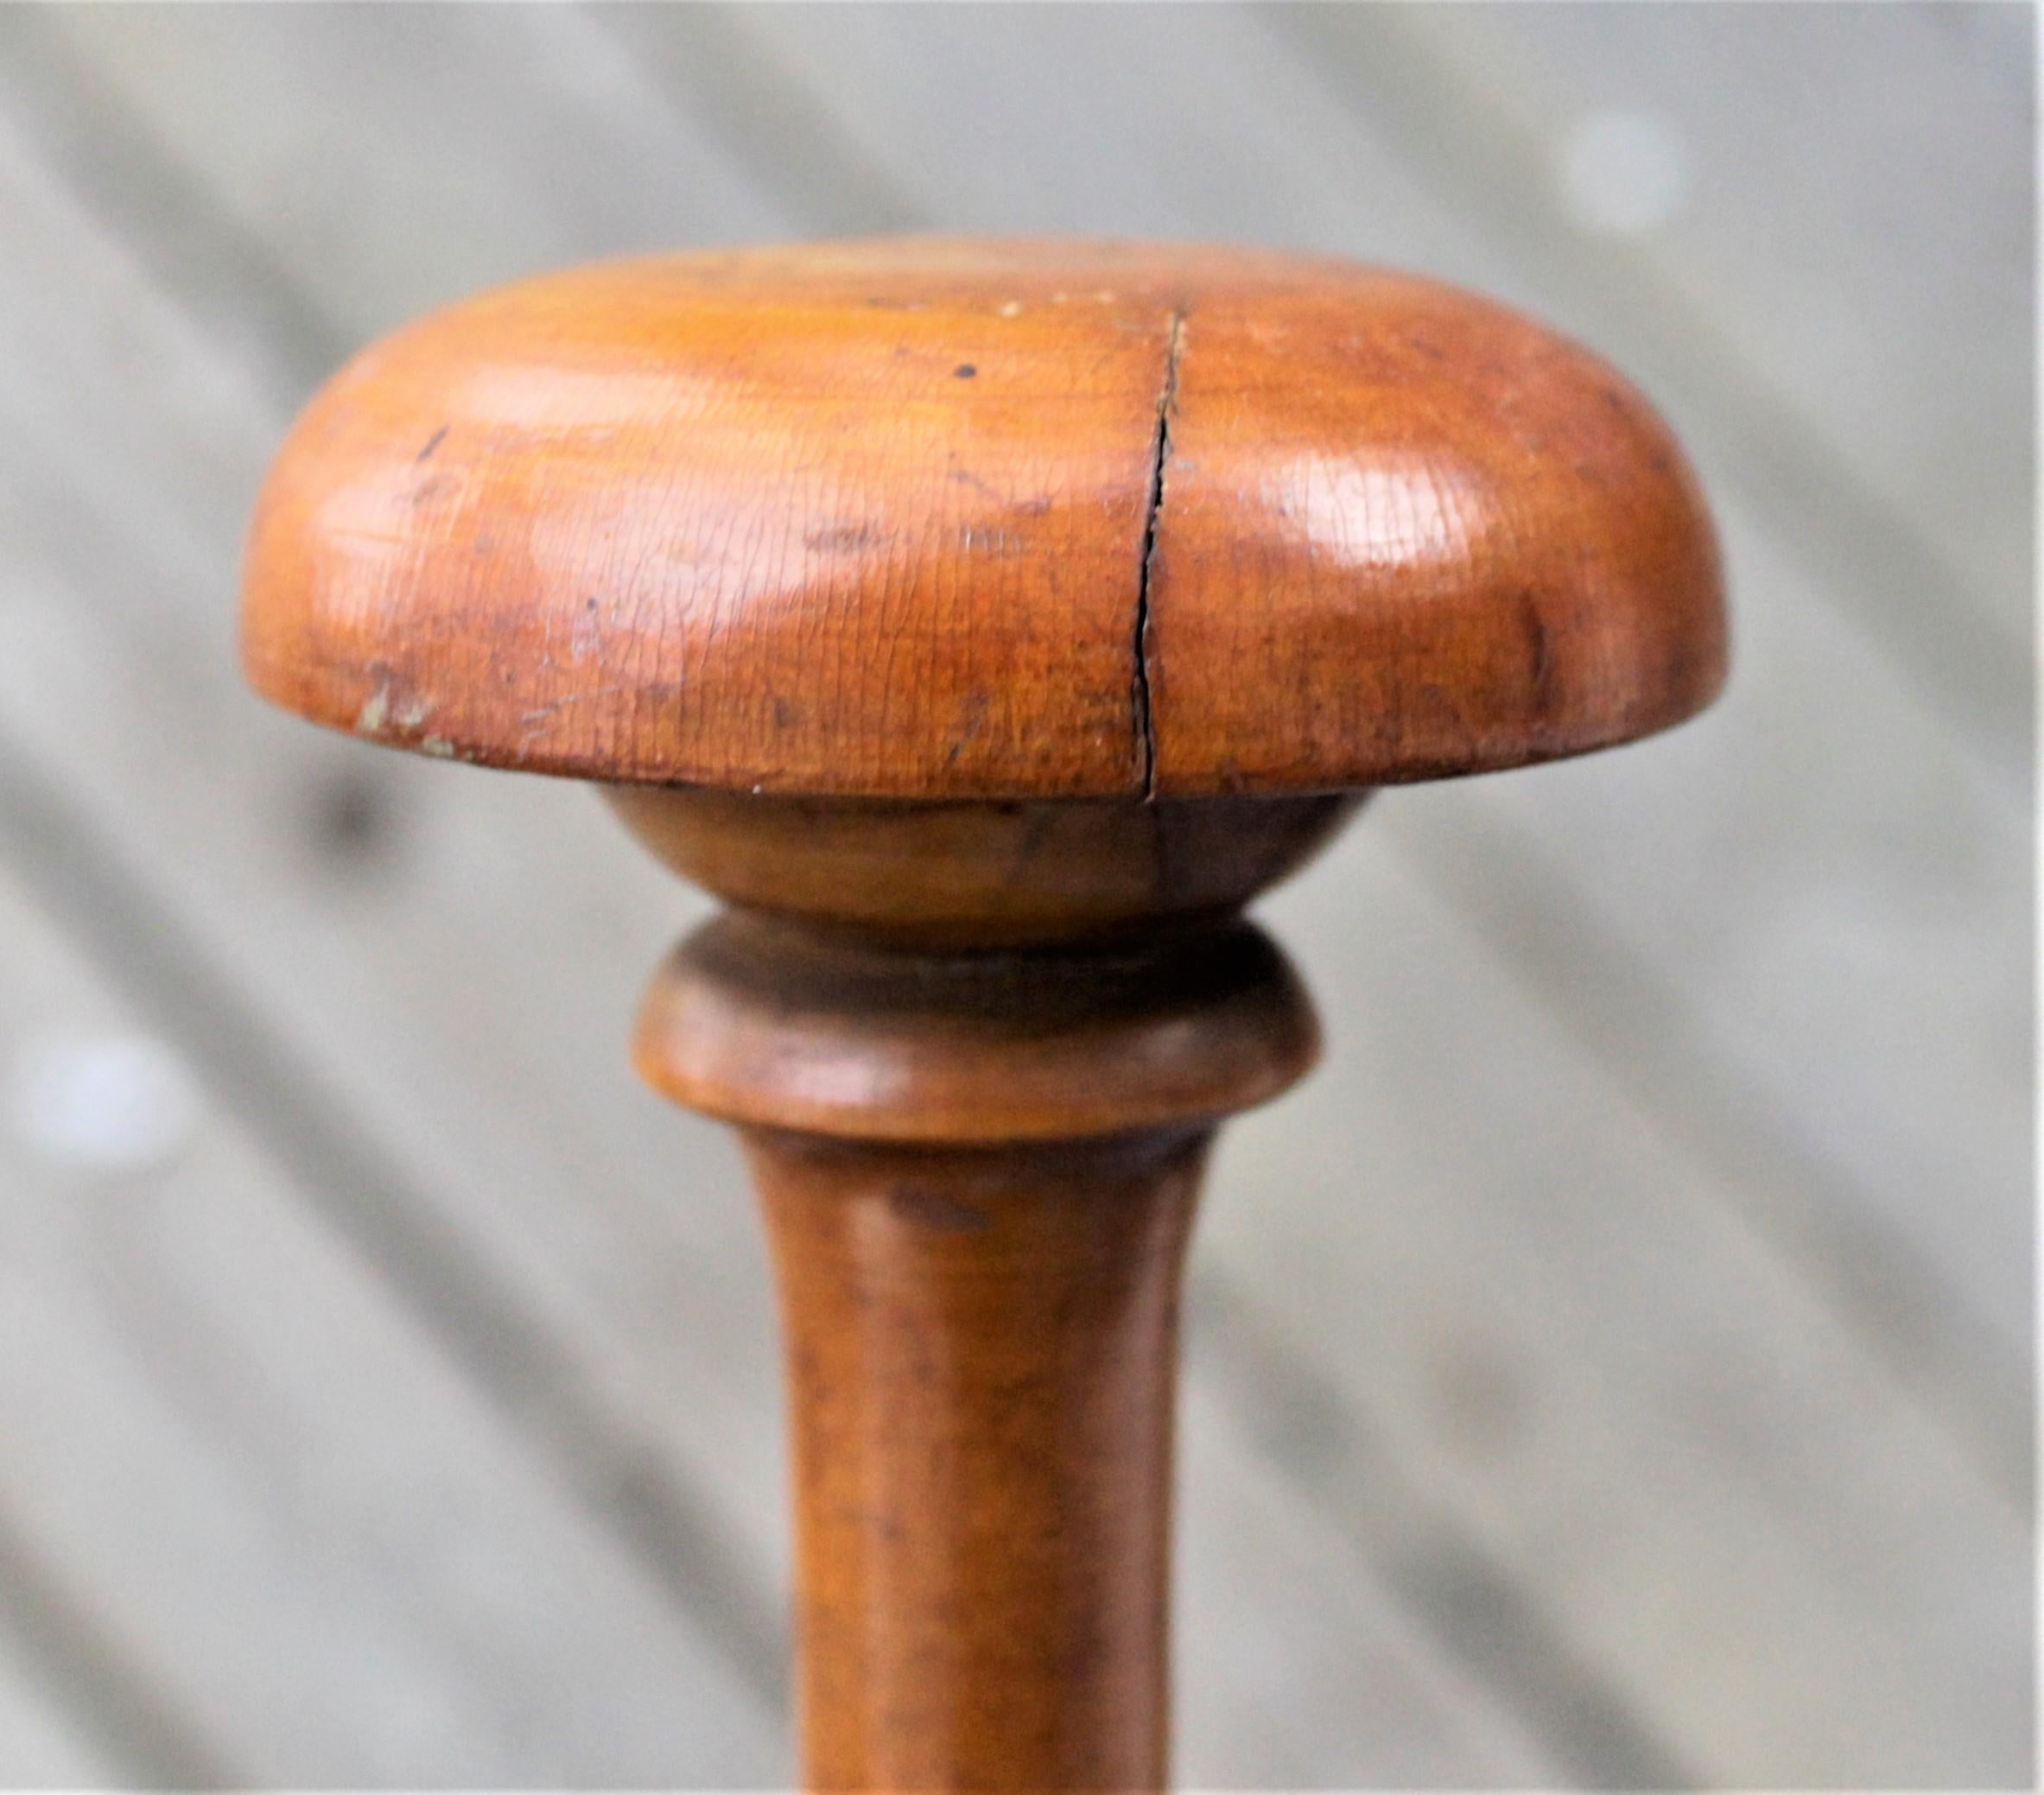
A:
<point x="977" y="1124"/>
<point x="928" y="518"/>
<point x="981" y="1351"/>
<point x="964" y="875"/>
<point x="1407" y="532"/>
<point x="766" y="1023"/>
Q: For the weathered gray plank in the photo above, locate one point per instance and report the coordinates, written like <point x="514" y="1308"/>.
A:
<point x="149" y="599"/>
<point x="1789" y="1574"/>
<point x="1848" y="954"/>
<point x="495" y="145"/>
<point x="1301" y="1663"/>
<point x="48" y="1742"/>
<point x="281" y="1503"/>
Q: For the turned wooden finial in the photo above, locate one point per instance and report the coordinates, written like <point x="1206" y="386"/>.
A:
<point x="988" y="623"/>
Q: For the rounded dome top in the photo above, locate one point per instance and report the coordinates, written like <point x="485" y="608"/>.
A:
<point x="930" y="518"/>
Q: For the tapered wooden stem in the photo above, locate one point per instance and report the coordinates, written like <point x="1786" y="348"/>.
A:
<point x="981" y="1347"/>
<point x="977" y="1056"/>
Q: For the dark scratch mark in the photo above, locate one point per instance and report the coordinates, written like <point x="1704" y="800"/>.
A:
<point x="1035" y="833"/>
<point x="432" y="442"/>
<point x="1539" y="649"/>
<point x="974" y="719"/>
<point x="845" y="538"/>
<point x="1159" y="454"/>
<point x="964" y="371"/>
<point x="966" y="477"/>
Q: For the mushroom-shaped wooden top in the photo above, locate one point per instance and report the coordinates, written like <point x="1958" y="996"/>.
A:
<point x="954" y="519"/>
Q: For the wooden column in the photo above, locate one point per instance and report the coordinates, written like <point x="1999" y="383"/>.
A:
<point x="986" y="622"/>
<point x="978" y="1126"/>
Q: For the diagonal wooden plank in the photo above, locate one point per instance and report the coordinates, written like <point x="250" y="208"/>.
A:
<point x="728" y="84"/>
<point x="499" y="146"/>
<point x="1751" y="1539"/>
<point x="73" y="1714"/>
<point x="1301" y="1661"/>
<point x="281" y="1506"/>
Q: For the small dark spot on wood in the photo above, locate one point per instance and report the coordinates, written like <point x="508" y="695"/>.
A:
<point x="432" y="442"/>
<point x="846" y="537"/>
<point x="964" y="371"/>
<point x="1539" y="650"/>
<point x="786" y="715"/>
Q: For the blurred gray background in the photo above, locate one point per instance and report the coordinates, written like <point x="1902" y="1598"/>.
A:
<point x="1612" y="1369"/>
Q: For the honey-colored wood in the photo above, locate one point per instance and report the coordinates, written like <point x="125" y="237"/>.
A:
<point x="941" y="519"/>
<point x="982" y="875"/>
<point x="981" y="1354"/>
<point x="764" y="1023"/>
<point x="978" y="1172"/>
<point x="988" y="624"/>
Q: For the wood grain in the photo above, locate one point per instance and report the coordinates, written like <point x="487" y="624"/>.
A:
<point x="929" y="517"/>
<point x="962" y="875"/>
<point x="978" y="1170"/>
<point x="983" y="1362"/>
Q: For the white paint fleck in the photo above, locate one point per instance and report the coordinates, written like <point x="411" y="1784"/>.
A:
<point x="378" y="714"/>
<point x="437" y="746"/>
<point x="120" y="1102"/>
<point x="1623" y="173"/>
<point x="1012" y="309"/>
